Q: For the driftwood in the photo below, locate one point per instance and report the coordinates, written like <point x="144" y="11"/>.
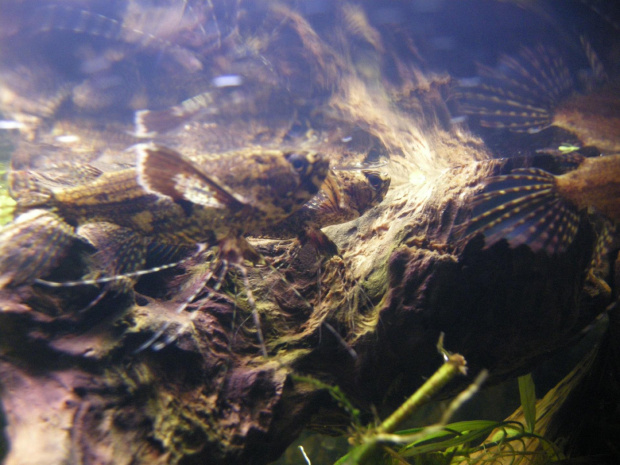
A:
<point x="75" y="388"/>
<point x="210" y="397"/>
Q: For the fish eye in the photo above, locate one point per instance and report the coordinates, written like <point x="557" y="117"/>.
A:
<point x="375" y="180"/>
<point x="299" y="162"/>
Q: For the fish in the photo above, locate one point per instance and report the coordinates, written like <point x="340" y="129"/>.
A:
<point x="167" y="204"/>
<point x="149" y="123"/>
<point x="535" y="90"/>
<point x="344" y="196"/>
<point x="61" y="60"/>
<point x="541" y="210"/>
<point x="24" y="253"/>
<point x="31" y="88"/>
<point x="181" y="30"/>
<point x="167" y="199"/>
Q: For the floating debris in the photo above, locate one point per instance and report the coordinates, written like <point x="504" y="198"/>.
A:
<point x="11" y="124"/>
<point x="230" y="80"/>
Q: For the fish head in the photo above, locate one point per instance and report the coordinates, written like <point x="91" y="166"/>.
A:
<point x="276" y="182"/>
<point x="378" y="183"/>
<point x="360" y="190"/>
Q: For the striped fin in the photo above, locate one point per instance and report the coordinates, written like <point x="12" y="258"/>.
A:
<point x="606" y="232"/>
<point x="329" y="199"/>
<point x="149" y="123"/>
<point x="166" y="172"/>
<point x="24" y="187"/>
<point x="119" y="250"/>
<point x="523" y="207"/>
<point x="80" y="21"/>
<point x="520" y="93"/>
<point x="598" y="70"/>
<point x="605" y="9"/>
<point x="31" y="246"/>
<point x="66" y="18"/>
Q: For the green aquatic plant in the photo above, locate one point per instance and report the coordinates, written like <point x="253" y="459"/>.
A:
<point x="456" y="443"/>
<point x="7" y="204"/>
<point x="336" y="393"/>
<point x="511" y="441"/>
<point x="516" y="440"/>
<point x="370" y="443"/>
<point x="527" y="392"/>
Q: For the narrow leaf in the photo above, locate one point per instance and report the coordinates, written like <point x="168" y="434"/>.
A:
<point x="527" y="393"/>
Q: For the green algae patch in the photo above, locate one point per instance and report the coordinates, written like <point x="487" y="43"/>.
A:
<point x="7" y="204"/>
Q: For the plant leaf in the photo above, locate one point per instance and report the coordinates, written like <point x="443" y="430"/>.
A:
<point x="527" y="392"/>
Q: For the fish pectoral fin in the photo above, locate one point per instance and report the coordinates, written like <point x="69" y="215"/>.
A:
<point x="152" y="122"/>
<point x="236" y="249"/>
<point x="119" y="250"/>
<point x="523" y="207"/>
<point x="166" y="172"/>
<point x="27" y="191"/>
<point x="320" y="241"/>
<point x="31" y="246"/>
<point x="330" y="199"/>
<point x="520" y="94"/>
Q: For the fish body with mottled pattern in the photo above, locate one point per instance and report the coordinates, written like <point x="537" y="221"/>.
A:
<point x="166" y="199"/>
<point x="243" y="191"/>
